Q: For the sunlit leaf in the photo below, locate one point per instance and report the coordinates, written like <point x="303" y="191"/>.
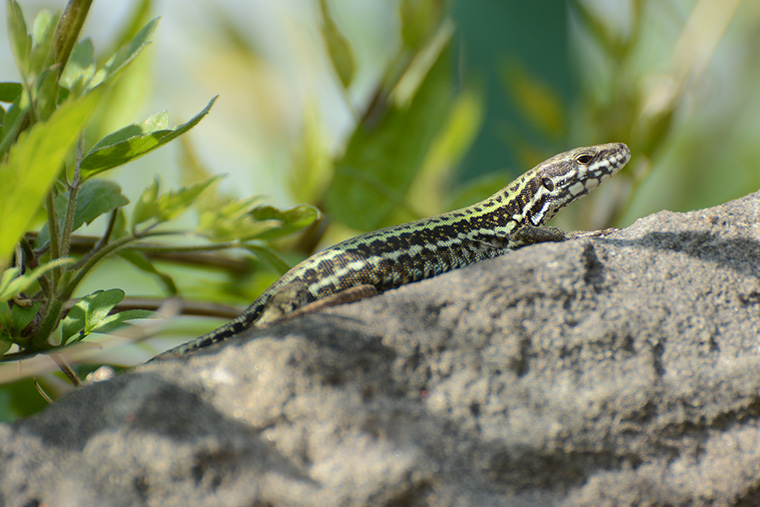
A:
<point x="11" y="284"/>
<point x="539" y="104"/>
<point x="89" y="312"/>
<point x="135" y="141"/>
<point x="126" y="54"/>
<point x="41" y="56"/>
<point x="80" y="68"/>
<point x="33" y="163"/>
<point x="21" y="41"/>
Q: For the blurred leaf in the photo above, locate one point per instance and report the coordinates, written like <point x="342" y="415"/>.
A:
<point x="89" y="313"/>
<point x="419" y="19"/>
<point x="175" y="202"/>
<point x="135" y="141"/>
<point x="287" y="221"/>
<point x="21" y="41"/>
<point x="11" y="284"/>
<point x="33" y="164"/>
<point x="143" y="264"/>
<point x="239" y="221"/>
<point x="9" y="92"/>
<point x="270" y="257"/>
<point x="47" y="95"/>
<point x="125" y="55"/>
<point x="379" y="164"/>
<point x="80" y="68"/>
<point x="94" y="198"/>
<point x="477" y="190"/>
<point x="541" y="106"/>
<point x="145" y="207"/>
<point x="338" y="48"/>
<point x="41" y="57"/>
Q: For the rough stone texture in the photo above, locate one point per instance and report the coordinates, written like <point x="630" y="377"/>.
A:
<point x="603" y="371"/>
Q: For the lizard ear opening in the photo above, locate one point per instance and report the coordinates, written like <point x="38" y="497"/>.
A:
<point x="548" y="184"/>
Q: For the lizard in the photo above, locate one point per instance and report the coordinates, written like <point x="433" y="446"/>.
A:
<point x="387" y="258"/>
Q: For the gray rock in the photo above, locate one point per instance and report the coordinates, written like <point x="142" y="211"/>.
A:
<point x="601" y="371"/>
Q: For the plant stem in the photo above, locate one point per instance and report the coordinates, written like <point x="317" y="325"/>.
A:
<point x="55" y="247"/>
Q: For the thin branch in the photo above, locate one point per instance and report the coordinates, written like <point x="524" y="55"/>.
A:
<point x="186" y="307"/>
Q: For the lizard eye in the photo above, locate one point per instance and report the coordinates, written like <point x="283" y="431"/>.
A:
<point x="548" y="184"/>
<point x="583" y="159"/>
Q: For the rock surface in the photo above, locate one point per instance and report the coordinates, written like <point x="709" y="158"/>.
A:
<point x="604" y="371"/>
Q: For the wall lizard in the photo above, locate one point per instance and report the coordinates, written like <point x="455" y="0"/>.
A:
<point x="387" y="258"/>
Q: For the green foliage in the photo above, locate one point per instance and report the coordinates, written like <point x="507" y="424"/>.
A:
<point x="47" y="173"/>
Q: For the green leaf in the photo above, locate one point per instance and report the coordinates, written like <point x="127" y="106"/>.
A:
<point x="46" y="94"/>
<point x="175" y="202"/>
<point x="95" y="197"/>
<point x="135" y="141"/>
<point x="33" y="164"/>
<point x="145" y="207"/>
<point x="41" y="56"/>
<point x="118" y="319"/>
<point x="240" y="221"/>
<point x="284" y="221"/>
<point x="11" y="284"/>
<point x="80" y="68"/>
<point x="143" y="264"/>
<point x="9" y="92"/>
<point x="419" y="18"/>
<point x="125" y="55"/>
<point x="380" y="162"/>
<point x="22" y="317"/>
<point x="338" y="48"/>
<point x="21" y="41"/>
<point x="270" y="257"/>
<point x="89" y="312"/>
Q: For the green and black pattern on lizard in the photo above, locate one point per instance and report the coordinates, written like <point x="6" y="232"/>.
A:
<point x="388" y="258"/>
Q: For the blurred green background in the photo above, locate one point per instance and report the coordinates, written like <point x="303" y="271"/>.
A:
<point x="439" y="105"/>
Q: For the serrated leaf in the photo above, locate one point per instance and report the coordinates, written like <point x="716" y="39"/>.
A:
<point x="135" y="141"/>
<point x="34" y="162"/>
<point x="125" y="55"/>
<point x="175" y="202"/>
<point x="145" y="207"/>
<point x="21" y="41"/>
<point x="338" y="48"/>
<point x="379" y="164"/>
<point x="9" y="92"/>
<point x="143" y="264"/>
<point x="80" y="68"/>
<point x="95" y="197"/>
<point x="11" y="284"/>
<point x="89" y="312"/>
